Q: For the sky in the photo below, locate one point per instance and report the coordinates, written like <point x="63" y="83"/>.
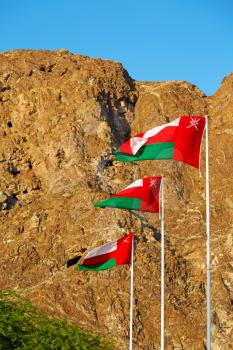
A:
<point x="155" y="40"/>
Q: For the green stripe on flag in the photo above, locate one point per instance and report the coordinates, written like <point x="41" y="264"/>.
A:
<point x="107" y="265"/>
<point x="161" y="150"/>
<point x="121" y="202"/>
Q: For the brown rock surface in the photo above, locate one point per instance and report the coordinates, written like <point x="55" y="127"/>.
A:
<point x="61" y="118"/>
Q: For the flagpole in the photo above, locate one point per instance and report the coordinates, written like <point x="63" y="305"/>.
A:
<point x="208" y="282"/>
<point x="162" y="268"/>
<point x="131" y="296"/>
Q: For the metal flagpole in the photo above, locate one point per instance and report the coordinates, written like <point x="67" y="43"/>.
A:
<point x="162" y="268"/>
<point x="131" y="296"/>
<point x="208" y="242"/>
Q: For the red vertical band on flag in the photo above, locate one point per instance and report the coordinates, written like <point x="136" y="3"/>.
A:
<point x="124" y="247"/>
<point x="150" y="194"/>
<point x="188" y="140"/>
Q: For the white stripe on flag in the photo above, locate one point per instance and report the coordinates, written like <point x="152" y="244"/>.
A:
<point x="104" y="249"/>
<point x="137" y="142"/>
<point x="137" y="183"/>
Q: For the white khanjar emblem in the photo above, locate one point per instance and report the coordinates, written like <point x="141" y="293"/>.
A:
<point x="193" y="122"/>
<point x="153" y="182"/>
<point x="126" y="240"/>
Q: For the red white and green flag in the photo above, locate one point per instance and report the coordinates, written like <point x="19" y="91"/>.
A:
<point x="179" y="140"/>
<point x="109" y="255"/>
<point x="143" y="195"/>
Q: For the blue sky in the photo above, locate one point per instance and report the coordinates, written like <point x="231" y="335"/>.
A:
<point x="155" y="40"/>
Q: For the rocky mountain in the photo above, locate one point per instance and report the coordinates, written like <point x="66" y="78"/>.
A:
<point x="61" y="118"/>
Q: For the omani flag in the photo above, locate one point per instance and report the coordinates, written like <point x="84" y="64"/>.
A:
<point x="142" y="195"/>
<point x="178" y="140"/>
<point x="108" y="255"/>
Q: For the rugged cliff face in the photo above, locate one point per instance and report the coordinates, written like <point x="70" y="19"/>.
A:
<point x="61" y="118"/>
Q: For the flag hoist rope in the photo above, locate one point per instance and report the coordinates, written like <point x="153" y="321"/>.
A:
<point x="162" y="267"/>
<point x="131" y="296"/>
<point x="208" y="279"/>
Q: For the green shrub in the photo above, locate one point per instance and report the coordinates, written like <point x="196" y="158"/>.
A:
<point x="23" y="326"/>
